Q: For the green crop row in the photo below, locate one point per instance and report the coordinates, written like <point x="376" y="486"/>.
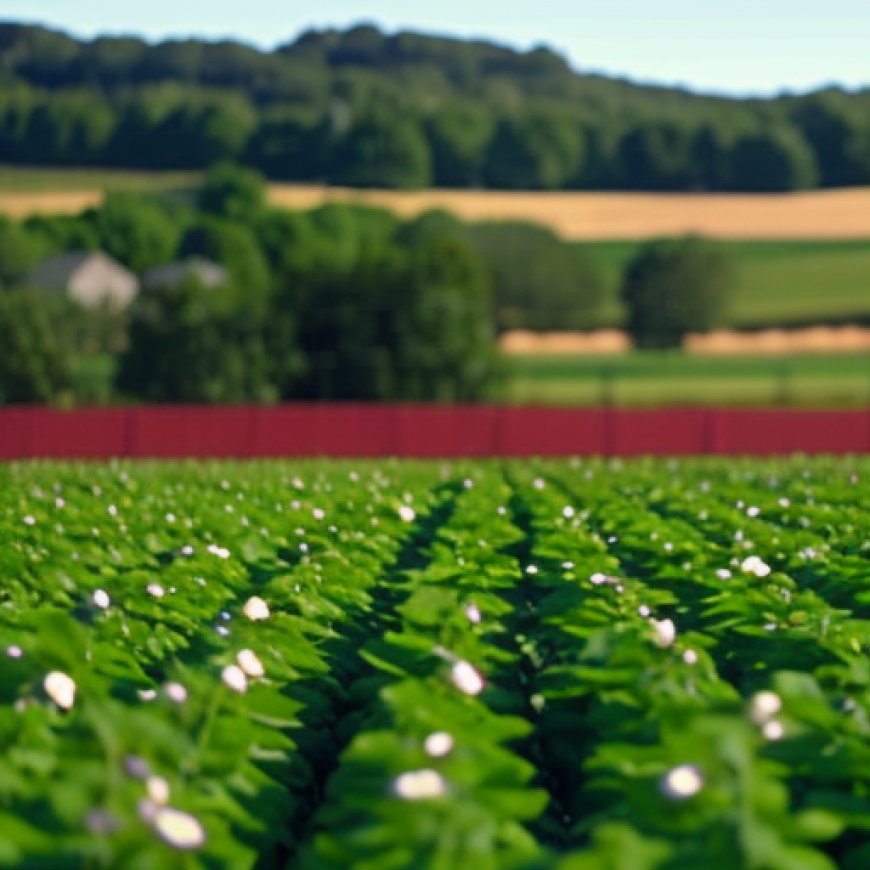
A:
<point x="383" y="665"/>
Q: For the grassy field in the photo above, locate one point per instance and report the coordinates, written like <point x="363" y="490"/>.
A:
<point x="651" y="378"/>
<point x="16" y="179"/>
<point x="776" y="282"/>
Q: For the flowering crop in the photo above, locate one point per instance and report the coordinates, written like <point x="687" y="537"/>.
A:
<point x="385" y="665"/>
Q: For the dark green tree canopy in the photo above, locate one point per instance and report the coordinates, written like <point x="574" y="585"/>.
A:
<point x="538" y="281"/>
<point x="673" y="287"/>
<point x="35" y="362"/>
<point x="368" y="108"/>
<point x="136" y="231"/>
<point x="191" y="343"/>
<point x="20" y="250"/>
<point x="234" y="192"/>
<point x="381" y="150"/>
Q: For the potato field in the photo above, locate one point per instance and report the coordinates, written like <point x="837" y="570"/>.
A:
<point x="580" y="665"/>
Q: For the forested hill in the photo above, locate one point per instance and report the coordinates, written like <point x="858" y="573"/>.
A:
<point x="364" y="108"/>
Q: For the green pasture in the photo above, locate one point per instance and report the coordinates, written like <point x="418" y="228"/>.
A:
<point x="777" y="283"/>
<point x="654" y="378"/>
<point x="18" y="179"/>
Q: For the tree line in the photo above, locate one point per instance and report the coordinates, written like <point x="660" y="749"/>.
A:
<point x="342" y="302"/>
<point x="363" y="108"/>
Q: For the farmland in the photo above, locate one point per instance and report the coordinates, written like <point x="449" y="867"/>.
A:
<point x="831" y="215"/>
<point x="782" y="283"/>
<point x="660" y="377"/>
<point x="386" y="665"/>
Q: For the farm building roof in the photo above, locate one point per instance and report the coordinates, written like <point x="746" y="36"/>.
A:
<point x="89" y="277"/>
<point x="208" y="273"/>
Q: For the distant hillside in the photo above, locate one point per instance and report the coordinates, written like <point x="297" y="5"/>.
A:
<point x="363" y="108"/>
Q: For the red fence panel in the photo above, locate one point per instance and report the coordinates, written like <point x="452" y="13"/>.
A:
<point x="90" y="433"/>
<point x="772" y="432"/>
<point x="16" y="432"/>
<point x="533" y="431"/>
<point x="358" y="430"/>
<point x="190" y="431"/>
<point x="445" y="430"/>
<point x="673" y="432"/>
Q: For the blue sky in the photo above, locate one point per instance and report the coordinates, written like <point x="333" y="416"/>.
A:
<point x="738" y="46"/>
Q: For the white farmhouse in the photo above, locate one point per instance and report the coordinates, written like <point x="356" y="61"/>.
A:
<point x="91" y="278"/>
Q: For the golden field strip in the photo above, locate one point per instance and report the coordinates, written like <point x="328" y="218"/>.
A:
<point x="829" y="214"/>
<point x="814" y="215"/>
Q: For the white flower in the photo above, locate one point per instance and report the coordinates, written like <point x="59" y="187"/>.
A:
<point x="158" y="789"/>
<point x="407" y="513"/>
<point x="723" y="573"/>
<point x="250" y="664"/>
<point x="472" y="613"/>
<point x="420" y="784"/>
<point x="60" y="688"/>
<point x="682" y="781"/>
<point x="146" y="694"/>
<point x="155" y="589"/>
<point x="773" y="730"/>
<point x="29" y="520"/>
<point x="567" y="512"/>
<point x="255" y="608"/>
<point x="598" y="579"/>
<point x="755" y="565"/>
<point x="14" y="652"/>
<point x="439" y="744"/>
<point x="178" y="829"/>
<point x="234" y="677"/>
<point x="220" y="552"/>
<point x="690" y="657"/>
<point x="101" y="598"/>
<point x="176" y="692"/>
<point x="763" y="706"/>
<point x="466" y="678"/>
<point x="644" y="610"/>
<point x="665" y="630"/>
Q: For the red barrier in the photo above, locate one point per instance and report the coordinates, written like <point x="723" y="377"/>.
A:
<point x="554" y="431"/>
<point x="769" y="432"/>
<point x="423" y="431"/>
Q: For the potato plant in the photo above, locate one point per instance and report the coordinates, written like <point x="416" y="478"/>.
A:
<point x="586" y="665"/>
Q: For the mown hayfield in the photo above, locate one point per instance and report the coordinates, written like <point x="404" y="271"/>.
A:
<point x="652" y="378"/>
<point x="581" y="215"/>
<point x="829" y="214"/>
<point x="564" y="665"/>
